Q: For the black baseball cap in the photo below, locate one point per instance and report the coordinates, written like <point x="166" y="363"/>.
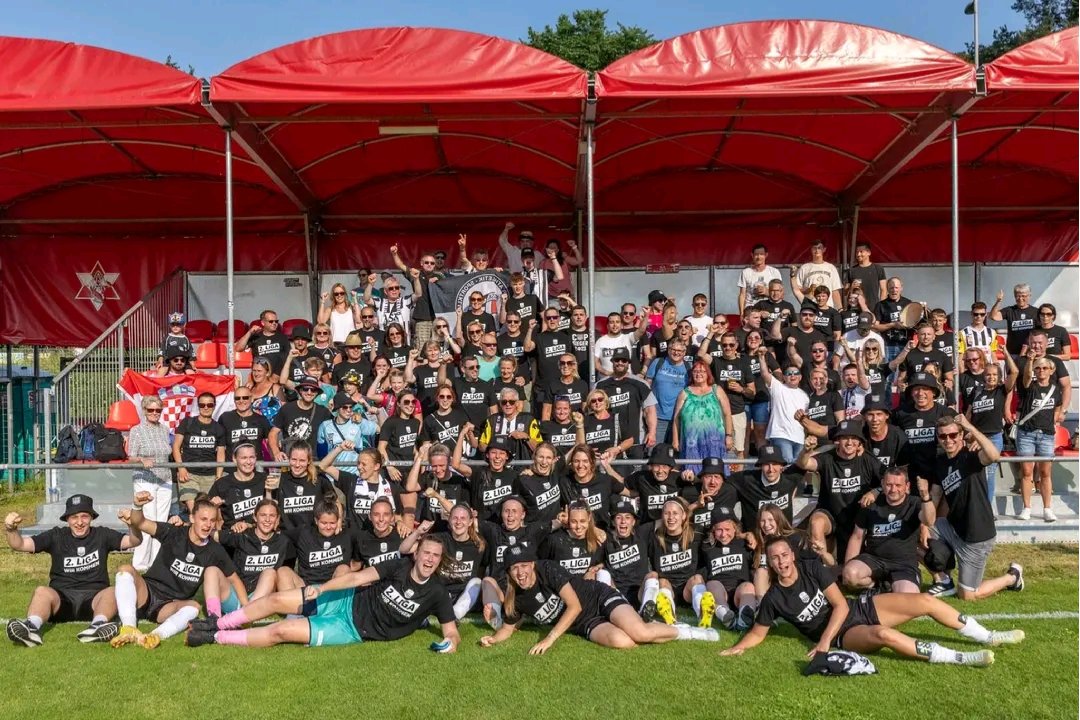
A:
<point x="720" y="514"/>
<point x="620" y="354"/>
<point x="770" y="454"/>
<point x="875" y="402"/>
<point x="299" y="332"/>
<point x="519" y="554"/>
<point x="663" y="454"/>
<point x="79" y="504"/>
<point x="527" y="252"/>
<point x="656" y="296"/>
<point x="623" y="505"/>
<point x="711" y="466"/>
<point x="308" y="382"/>
<point x="924" y="380"/>
<point x="341" y="399"/>
<point x="847" y="428"/>
<point x="501" y="442"/>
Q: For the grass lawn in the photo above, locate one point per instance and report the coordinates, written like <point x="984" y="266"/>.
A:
<point x="1037" y="679"/>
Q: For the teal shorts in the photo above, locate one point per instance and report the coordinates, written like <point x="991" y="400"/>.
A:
<point x="332" y="623"/>
<point x="231" y="603"/>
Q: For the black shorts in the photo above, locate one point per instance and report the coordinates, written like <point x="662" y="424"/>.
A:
<point x="890" y="570"/>
<point x="75" y="605"/>
<point x="861" y="611"/>
<point x="597" y="610"/>
<point x="841" y="529"/>
<point x="155" y="600"/>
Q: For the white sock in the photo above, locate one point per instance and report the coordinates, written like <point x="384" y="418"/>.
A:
<point x="695" y="597"/>
<point x="126" y="599"/>
<point x="973" y="630"/>
<point x="177" y="623"/>
<point x="652" y="587"/>
<point x="35" y="621"/>
<point x="722" y="612"/>
<point x="689" y="632"/>
<point x="467" y="599"/>
<point x="940" y="654"/>
<point x="604" y="576"/>
<point x="669" y="595"/>
<point x="496" y="614"/>
<point x="99" y="620"/>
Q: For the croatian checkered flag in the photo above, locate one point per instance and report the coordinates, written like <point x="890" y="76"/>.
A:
<point x="178" y="393"/>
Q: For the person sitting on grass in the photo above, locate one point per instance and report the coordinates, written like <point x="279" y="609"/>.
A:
<point x="78" y="586"/>
<point x="545" y="592"/>
<point x="258" y="550"/>
<point x="189" y="558"/>
<point x="804" y="593"/>
<point x="386" y="602"/>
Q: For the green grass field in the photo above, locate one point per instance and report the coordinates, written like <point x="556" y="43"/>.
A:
<point x="1037" y="679"/>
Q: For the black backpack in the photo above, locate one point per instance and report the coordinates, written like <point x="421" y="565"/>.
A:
<point x="88" y="441"/>
<point x="67" y="446"/>
<point x="108" y="444"/>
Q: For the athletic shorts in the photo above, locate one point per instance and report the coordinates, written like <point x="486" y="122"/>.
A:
<point x="970" y="557"/>
<point x="331" y="623"/>
<point x="738" y="429"/>
<point x="155" y="600"/>
<point x="861" y="611"/>
<point x="194" y="485"/>
<point x="598" y="611"/>
<point x="890" y="570"/>
<point x="841" y="530"/>
<point x="231" y="603"/>
<point x="75" y="605"/>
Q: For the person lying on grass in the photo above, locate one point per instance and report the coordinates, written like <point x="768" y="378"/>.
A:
<point x="386" y="602"/>
<point x="804" y="592"/>
<point x="547" y="593"/>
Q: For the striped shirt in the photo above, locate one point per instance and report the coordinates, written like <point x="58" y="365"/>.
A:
<point x="985" y="339"/>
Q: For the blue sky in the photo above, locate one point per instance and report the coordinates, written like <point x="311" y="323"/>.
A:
<point x="212" y="35"/>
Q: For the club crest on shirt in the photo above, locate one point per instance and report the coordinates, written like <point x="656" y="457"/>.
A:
<point x="458" y="555"/>
<point x="511" y="539"/>
<point x="190" y="557"/>
<point x="892" y="516"/>
<point x="576" y="551"/>
<point x="264" y="549"/>
<point x="81" y="551"/>
<point x="847" y="472"/>
<point x="409" y="593"/>
<point x="539" y="597"/>
<point x="804" y="597"/>
<point x="726" y="550"/>
<point x="383" y="547"/>
<point x="247" y="492"/>
<point x="775" y="493"/>
<point x="326" y="545"/>
<point x="918" y="422"/>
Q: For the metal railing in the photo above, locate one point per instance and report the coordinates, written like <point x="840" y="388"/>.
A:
<point x="83" y="390"/>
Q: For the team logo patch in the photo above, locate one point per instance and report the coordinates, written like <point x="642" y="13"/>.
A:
<point x="97" y="286"/>
<point x="81" y="551"/>
<point x="382" y="547"/>
<point x="243" y="423"/>
<point x="264" y="549"/>
<point x="511" y="539"/>
<point x="727" y="550"/>
<point x="577" y="551"/>
<point x="190" y="557"/>
<point x="918" y="422"/>
<point x="409" y="593"/>
<point x="775" y="493"/>
<point x="847" y="472"/>
<point x="892" y="516"/>
<point x="804" y="597"/>
<point x="247" y="492"/>
<point x="299" y="489"/>
<point x="458" y="555"/>
<point x="326" y="545"/>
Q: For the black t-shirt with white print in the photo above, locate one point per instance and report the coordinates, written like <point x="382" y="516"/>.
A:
<point x="499" y="538"/>
<point x="549" y="347"/>
<point x="317" y="556"/>
<point x="79" y="565"/>
<point x="1019" y="324"/>
<point x="755" y="494"/>
<point x="296" y="423"/>
<point x="201" y="441"/>
<point x="253" y="429"/>
<point x="400" y="436"/>
<point x="542" y="495"/>
<point x="625" y="398"/>
<point x="597" y="494"/>
<point x="396" y="605"/>
<point x="488" y="489"/>
<point x="670" y="559"/>
<point x="252" y="555"/>
<point x="887" y="450"/>
<point x="562" y="435"/>
<point x="443" y="429"/>
<point x="921" y="446"/>
<point x="804" y="604"/>
<point x="296" y="497"/>
<point x="454" y="488"/>
<point x="571" y="554"/>
<point x="274" y="348"/>
<point x="729" y="564"/>
<point x="475" y="397"/>
<point x="891" y="533"/>
<point x="724" y="501"/>
<point x="822" y="408"/>
<point x="360" y="494"/>
<point x="627" y="559"/>
<point x="651" y="493"/>
<point x="844" y="482"/>
<point x="1043" y="401"/>
<point x="371" y="549"/>
<point x="177" y="571"/>
<point x="738" y="370"/>
<point x="988" y="410"/>
<point x="465" y="561"/>
<point x="240" y="496"/>
<point x="963" y="481"/>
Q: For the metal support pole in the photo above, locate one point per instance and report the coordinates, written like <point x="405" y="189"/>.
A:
<point x="229" y="290"/>
<point x="591" y="240"/>
<point x="956" y="250"/>
<point x="120" y="348"/>
<point x="855" y="241"/>
<point x="50" y="476"/>
<point x="975" y="6"/>
<point x="9" y="422"/>
<point x="35" y="393"/>
<point x="310" y="252"/>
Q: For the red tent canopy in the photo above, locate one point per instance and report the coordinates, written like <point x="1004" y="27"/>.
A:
<point x="777" y="131"/>
<point x="417" y="126"/>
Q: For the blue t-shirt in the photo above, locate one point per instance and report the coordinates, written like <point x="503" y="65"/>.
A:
<point x="668" y="380"/>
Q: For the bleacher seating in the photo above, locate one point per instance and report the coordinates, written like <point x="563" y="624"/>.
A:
<point x="207" y="357"/>
<point x="221" y="331"/>
<point x="199" y="331"/>
<point x="123" y="415"/>
<point x="288" y="326"/>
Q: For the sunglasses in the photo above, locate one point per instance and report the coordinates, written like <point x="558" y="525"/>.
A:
<point x="346" y="407"/>
<point x="407" y="402"/>
<point x="551" y="317"/>
<point x="817" y="350"/>
<point x="596" y="401"/>
<point x="700" y="304"/>
<point x="629" y="313"/>
<point x="339" y="294"/>
<point x="308" y="390"/>
<point x="721" y="322"/>
<point x="728" y="345"/>
<point x="152" y="411"/>
<point x="508" y="402"/>
<point x="177" y="360"/>
<point x="321" y="332"/>
<point x="271" y="322"/>
<point x="471" y="367"/>
<point x="445" y="397"/>
<point x="441" y="326"/>
<point x="619" y="360"/>
<point x="367" y="317"/>
<point x="566" y="363"/>
<point x="792" y="374"/>
<point x="489" y="344"/>
<point x="978" y="314"/>
<point x="476" y="299"/>
<point x="427" y="262"/>
<point x="241" y="397"/>
<point x="391" y="287"/>
<point x="513" y="322"/>
<point x="476" y="332"/>
<point x="206" y="405"/>
<point x="949" y="436"/>
<point x="1046" y="314"/>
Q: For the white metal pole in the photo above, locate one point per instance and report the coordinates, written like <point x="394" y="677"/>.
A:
<point x="229" y="248"/>
<point x="955" y="252"/>
<point x="591" y="239"/>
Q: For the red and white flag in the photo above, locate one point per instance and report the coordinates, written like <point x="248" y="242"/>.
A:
<point x="178" y="393"/>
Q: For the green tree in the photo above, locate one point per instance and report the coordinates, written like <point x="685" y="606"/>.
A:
<point x="1041" y="17"/>
<point x="586" y="41"/>
<point x="176" y="66"/>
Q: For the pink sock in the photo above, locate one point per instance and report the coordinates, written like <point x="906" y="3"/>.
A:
<point x="235" y="619"/>
<point x="213" y="606"/>
<point x="231" y="637"/>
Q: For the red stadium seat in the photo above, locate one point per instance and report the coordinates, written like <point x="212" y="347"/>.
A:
<point x="601" y="325"/>
<point x="206" y="356"/>
<point x="1074" y="341"/>
<point x="221" y="332"/>
<point x="242" y="360"/>
<point x="1062" y="440"/>
<point x="199" y="331"/>
<point x="734" y="320"/>
<point x="123" y="415"/>
<point x="288" y="325"/>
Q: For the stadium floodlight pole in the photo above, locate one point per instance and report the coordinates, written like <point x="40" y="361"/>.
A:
<point x="972" y="9"/>
<point x="229" y="248"/>
<point x="591" y="240"/>
<point x="956" y="250"/>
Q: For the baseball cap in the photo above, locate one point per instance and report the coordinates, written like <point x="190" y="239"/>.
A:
<point x="656" y="296"/>
<point x="177" y="318"/>
<point x="770" y="454"/>
<point x="720" y="514"/>
<point x="308" y="382"/>
<point x="866" y="320"/>
<point x="875" y="402"/>
<point x="174" y="351"/>
<point x="848" y="428"/>
<point x="711" y="466"/>
<point x="341" y="399"/>
<point x="662" y="454"/>
<point x="300" y="331"/>
<point x="620" y="354"/>
<point x="501" y="442"/>
<point x="925" y="380"/>
<point x="807" y="308"/>
<point x="519" y="554"/>
<point x="527" y="252"/>
<point x="79" y="504"/>
<point x="623" y="505"/>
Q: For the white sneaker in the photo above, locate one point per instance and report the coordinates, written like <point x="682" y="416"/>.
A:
<point x="1025" y="514"/>
<point x="1048" y="515"/>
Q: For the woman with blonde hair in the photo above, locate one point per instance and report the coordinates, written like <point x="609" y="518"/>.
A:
<point x="338" y="309"/>
<point x="673" y="555"/>
<point x="577" y="546"/>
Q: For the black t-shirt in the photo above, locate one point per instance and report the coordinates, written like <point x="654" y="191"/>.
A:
<point x="240" y="496"/>
<point x="400" y="436"/>
<point x="988" y="410"/>
<point x="762" y="394"/>
<point x="888" y="311"/>
<point x="822" y="408"/>
<point x="626" y="395"/>
<point x="443" y="429"/>
<point x="454" y="488"/>
<point x="944" y="344"/>
<point x="918" y="359"/>
<point x="542" y="601"/>
<point x="724" y="501"/>
<point x="669" y="559"/>
<point x="465" y="561"/>
<point x="1046" y="399"/>
<point x="201" y="441"/>
<point x="375" y="335"/>
<point x="803" y="342"/>
<point x="515" y="347"/>
<point x="772" y="310"/>
<point x="360" y="367"/>
<point x="849" y="320"/>
<point x="844" y="482"/>
<point x="422" y="310"/>
<point x="729" y="564"/>
<point x="1019" y="324"/>
<point x="527" y="306"/>
<point x="828" y="321"/>
<point x="652" y="494"/>
<point x="328" y="353"/>
<point x="475" y="397"/>
<point x="878" y="375"/>
<point x="562" y="435"/>
<point x="597" y="494"/>
<point x="549" y="346"/>
<point x="177" y="571"/>
<point x="575" y="391"/>
<point x="602" y="434"/>
<point x="963" y="481"/>
<point x="755" y="494"/>
<point x="317" y="556"/>
<point x="296" y="497"/>
<point x="79" y="565"/>
<point x="295" y="423"/>
<point x="542" y="496"/>
<point x="889" y="449"/>
<point x="804" y="604"/>
<point x="427" y="384"/>
<point x="180" y="343"/>
<point x="274" y="348"/>
<point x="489" y="488"/>
<point x="579" y="339"/>
<point x="891" y="533"/>
<point x="251" y="554"/>
<point x="397" y="605"/>
<point x="969" y="384"/>
<point x="398" y="356"/>
<point x="921" y="431"/>
<point x="737" y="370"/>
<point x="360" y="494"/>
<point x="627" y="559"/>
<point x="484" y="317"/>
<point x="571" y="554"/>
<point x="370" y="549"/>
<point x="870" y="277"/>
<point x="498" y="538"/>
<point x="1057" y="340"/>
<point x="296" y="367"/>
<point x="253" y="429"/>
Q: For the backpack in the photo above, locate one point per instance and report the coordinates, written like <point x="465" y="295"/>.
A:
<point x="68" y="447"/>
<point x="88" y="440"/>
<point x="109" y="444"/>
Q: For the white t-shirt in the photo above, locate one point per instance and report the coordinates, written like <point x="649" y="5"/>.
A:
<point x="813" y="274"/>
<point x="855" y="341"/>
<point x="605" y="346"/>
<point x="783" y="402"/>
<point x="701" y="327"/>
<point x="749" y="278"/>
